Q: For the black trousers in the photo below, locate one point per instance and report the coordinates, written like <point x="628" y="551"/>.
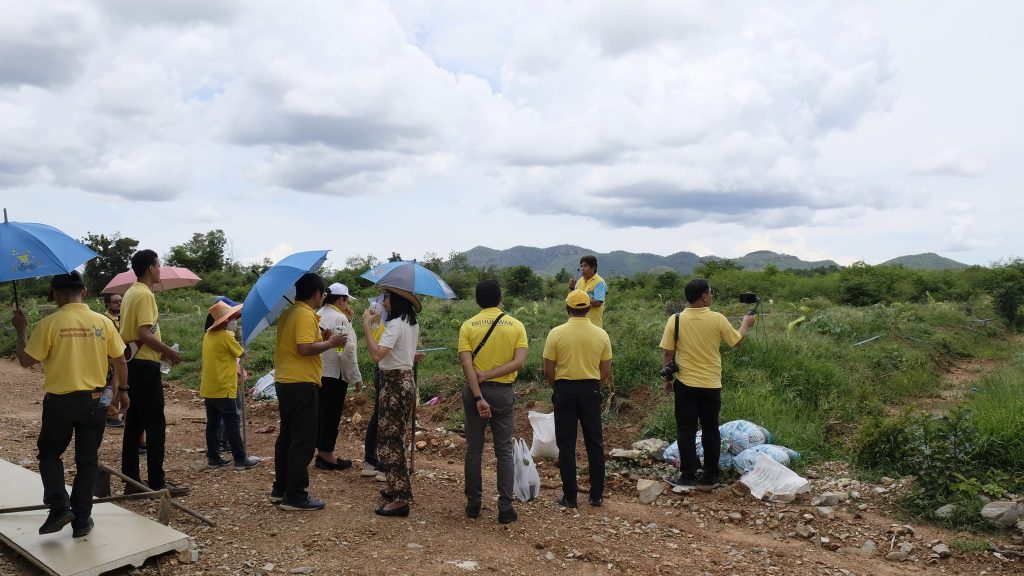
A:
<point x="370" y="443"/>
<point x="145" y="414"/>
<point x="579" y="401"/>
<point x="332" y="402"/>
<point x="697" y="405"/>
<point x="297" y="406"/>
<point x="64" y="415"/>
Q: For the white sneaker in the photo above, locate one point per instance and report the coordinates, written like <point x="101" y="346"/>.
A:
<point x="368" y="470"/>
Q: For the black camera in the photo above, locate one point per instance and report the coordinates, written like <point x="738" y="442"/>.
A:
<point x="669" y="370"/>
<point x="750" y="298"/>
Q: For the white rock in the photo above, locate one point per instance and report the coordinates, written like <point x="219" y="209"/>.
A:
<point x="868" y="547"/>
<point x="621" y="454"/>
<point x="896" y="556"/>
<point x="829" y="499"/>
<point x="649" y="490"/>
<point x="945" y="511"/>
<point x="825" y="512"/>
<point x="653" y="447"/>
<point x="942" y="550"/>
<point x="549" y="555"/>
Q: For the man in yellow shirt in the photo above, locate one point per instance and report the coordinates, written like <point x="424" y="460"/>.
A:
<point x="73" y="344"/>
<point x="692" y="339"/>
<point x="492" y="350"/>
<point x="577" y="359"/>
<point x="297" y="372"/>
<point x="140" y="330"/>
<point x="595" y="287"/>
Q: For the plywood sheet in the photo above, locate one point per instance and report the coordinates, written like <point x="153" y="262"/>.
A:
<point x="120" y="538"/>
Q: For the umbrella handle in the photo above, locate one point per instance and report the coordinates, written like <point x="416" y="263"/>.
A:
<point x="15" y="284"/>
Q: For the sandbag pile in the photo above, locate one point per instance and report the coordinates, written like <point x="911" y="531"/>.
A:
<point x="742" y="442"/>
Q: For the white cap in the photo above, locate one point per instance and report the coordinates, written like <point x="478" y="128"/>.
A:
<point x="339" y="289"/>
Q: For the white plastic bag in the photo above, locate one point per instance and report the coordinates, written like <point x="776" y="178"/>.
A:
<point x="738" y="435"/>
<point x="543" y="435"/>
<point x="526" y="485"/>
<point x="264" y="388"/>
<point x="746" y="460"/>
<point x="773" y="481"/>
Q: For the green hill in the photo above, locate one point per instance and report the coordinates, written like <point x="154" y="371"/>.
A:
<point x="548" y="261"/>
<point x="926" y="261"/>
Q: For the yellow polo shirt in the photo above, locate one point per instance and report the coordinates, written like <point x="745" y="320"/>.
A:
<point x="697" y="352"/>
<point x="578" y="347"/>
<point x="115" y="319"/>
<point x="500" y="347"/>
<point x="298" y="324"/>
<point x="138" y="308"/>
<point x="220" y="365"/>
<point x="597" y="289"/>
<point x="73" y="345"/>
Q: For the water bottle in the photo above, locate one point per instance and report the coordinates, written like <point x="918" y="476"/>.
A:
<point x="339" y="330"/>
<point x="165" y="365"/>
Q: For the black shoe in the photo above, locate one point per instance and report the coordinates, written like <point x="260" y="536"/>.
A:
<point x="249" y="463"/>
<point x="507" y="516"/>
<point x="56" y="520"/>
<point x="708" y="483"/>
<point x="401" y="511"/>
<point x="472" y="511"/>
<point x="688" y="481"/>
<point x="80" y="529"/>
<point x="596" y="502"/>
<point x="276" y="496"/>
<point x="340" y="464"/>
<point x="142" y="448"/>
<point x="306" y="505"/>
<point x="130" y="489"/>
<point x="115" y="423"/>
<point x="219" y="463"/>
<point x="563" y="501"/>
<point x="177" y="491"/>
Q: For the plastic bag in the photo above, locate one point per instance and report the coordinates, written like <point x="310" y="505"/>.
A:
<point x="264" y="388"/>
<point x="738" y="435"/>
<point x="526" y="479"/>
<point x="773" y="481"/>
<point x="543" y="435"/>
<point x="746" y="460"/>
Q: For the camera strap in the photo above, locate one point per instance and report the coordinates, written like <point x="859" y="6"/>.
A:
<point x="676" y="338"/>
<point x="488" y="334"/>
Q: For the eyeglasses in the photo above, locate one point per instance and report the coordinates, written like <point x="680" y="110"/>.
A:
<point x="711" y="291"/>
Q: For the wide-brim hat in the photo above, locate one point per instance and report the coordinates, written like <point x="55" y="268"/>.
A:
<point x="412" y="298"/>
<point x="222" y="313"/>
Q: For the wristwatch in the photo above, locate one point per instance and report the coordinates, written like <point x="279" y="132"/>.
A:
<point x="477" y="398"/>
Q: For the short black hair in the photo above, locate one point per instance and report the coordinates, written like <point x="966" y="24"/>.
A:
<point x="695" y="289"/>
<point x="307" y="285"/>
<point x="589" y="260"/>
<point x="107" y="297"/>
<point x="142" y="260"/>
<point x="70" y="283"/>
<point x="488" y="293"/>
<point x="401" y="309"/>
<point x="576" y="312"/>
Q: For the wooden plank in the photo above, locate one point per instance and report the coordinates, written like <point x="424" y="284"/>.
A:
<point x="120" y="538"/>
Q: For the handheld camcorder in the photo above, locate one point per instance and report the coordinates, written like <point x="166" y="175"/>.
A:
<point x="750" y="298"/>
<point x="669" y="370"/>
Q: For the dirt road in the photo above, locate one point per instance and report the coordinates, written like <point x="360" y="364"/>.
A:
<point x="722" y="532"/>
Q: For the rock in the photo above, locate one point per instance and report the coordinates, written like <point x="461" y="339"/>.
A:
<point x="942" y="550"/>
<point x="357" y="418"/>
<point x="620" y="454"/>
<point x="414" y="546"/>
<point x="878" y="490"/>
<point x="652" y="447"/>
<point x="906" y="547"/>
<point x="825" y="512"/>
<point x="945" y="511"/>
<point x="649" y="490"/>
<point x="803" y="530"/>
<point x="469" y="565"/>
<point x="268" y="567"/>
<point x="420" y="445"/>
<point x="1002" y="513"/>
<point x="828" y="499"/>
<point x="735" y="516"/>
<point x="868" y="547"/>
<point x="549" y="555"/>
<point x="301" y="570"/>
<point x="896" y="556"/>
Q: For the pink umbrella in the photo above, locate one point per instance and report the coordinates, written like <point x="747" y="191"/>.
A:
<point x="170" y="277"/>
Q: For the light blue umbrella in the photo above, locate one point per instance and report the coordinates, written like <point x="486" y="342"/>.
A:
<point x="274" y="290"/>
<point x="412" y="277"/>
<point x="29" y="250"/>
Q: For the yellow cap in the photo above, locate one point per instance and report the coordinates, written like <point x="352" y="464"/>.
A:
<point x="577" y="299"/>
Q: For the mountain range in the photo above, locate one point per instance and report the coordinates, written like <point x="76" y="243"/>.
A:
<point x="549" y="261"/>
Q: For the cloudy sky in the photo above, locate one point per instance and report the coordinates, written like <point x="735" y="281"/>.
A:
<point x="843" y="130"/>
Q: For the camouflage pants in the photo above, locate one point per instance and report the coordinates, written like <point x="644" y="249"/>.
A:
<point x="397" y="393"/>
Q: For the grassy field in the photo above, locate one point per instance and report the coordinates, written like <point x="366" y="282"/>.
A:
<point x="826" y="387"/>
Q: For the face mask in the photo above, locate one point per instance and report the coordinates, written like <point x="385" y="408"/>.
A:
<point x="232" y="325"/>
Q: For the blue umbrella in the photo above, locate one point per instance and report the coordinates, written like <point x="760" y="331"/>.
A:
<point x="412" y="277"/>
<point x="29" y="250"/>
<point x="274" y="290"/>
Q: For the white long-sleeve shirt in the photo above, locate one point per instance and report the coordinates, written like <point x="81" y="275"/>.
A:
<point x="344" y="364"/>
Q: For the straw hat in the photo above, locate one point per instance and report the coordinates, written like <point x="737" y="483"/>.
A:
<point x="412" y="298"/>
<point x="222" y="313"/>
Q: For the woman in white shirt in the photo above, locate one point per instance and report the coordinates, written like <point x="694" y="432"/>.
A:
<point x="395" y="355"/>
<point x="341" y="368"/>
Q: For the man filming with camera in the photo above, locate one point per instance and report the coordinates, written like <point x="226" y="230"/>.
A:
<point x="693" y="370"/>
